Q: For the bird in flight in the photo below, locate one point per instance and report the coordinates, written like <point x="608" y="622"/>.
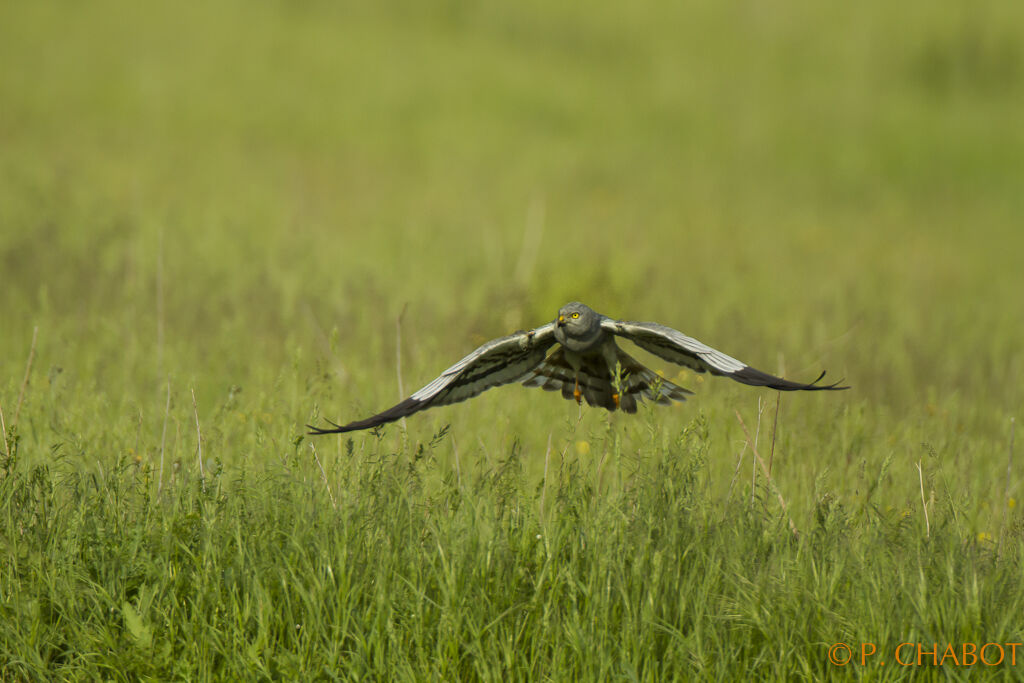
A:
<point x="587" y="364"/>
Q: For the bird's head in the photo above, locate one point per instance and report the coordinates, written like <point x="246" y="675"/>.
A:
<point x="576" y="321"/>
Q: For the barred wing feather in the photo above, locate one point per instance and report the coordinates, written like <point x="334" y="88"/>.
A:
<point x="499" y="361"/>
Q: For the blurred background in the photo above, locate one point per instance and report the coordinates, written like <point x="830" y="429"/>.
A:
<point x="249" y="195"/>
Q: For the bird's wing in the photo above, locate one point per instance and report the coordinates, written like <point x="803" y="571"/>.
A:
<point x="497" y="362"/>
<point x="676" y="347"/>
<point x="643" y="382"/>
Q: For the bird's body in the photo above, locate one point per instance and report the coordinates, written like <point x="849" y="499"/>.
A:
<point x="587" y="364"/>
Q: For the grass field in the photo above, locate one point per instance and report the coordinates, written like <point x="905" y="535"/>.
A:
<point x="222" y="221"/>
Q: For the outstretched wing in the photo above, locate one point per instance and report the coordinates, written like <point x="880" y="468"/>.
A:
<point x="676" y="347"/>
<point x="497" y="362"/>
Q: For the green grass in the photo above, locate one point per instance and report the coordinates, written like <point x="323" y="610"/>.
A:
<point x="241" y="199"/>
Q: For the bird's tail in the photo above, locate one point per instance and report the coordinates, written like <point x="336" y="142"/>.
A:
<point x="600" y="387"/>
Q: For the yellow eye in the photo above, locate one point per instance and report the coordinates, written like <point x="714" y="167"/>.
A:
<point x="575" y="315"/>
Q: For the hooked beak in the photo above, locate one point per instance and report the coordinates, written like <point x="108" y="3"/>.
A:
<point x="561" y="320"/>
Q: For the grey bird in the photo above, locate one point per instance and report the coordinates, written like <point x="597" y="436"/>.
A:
<point x="587" y="364"/>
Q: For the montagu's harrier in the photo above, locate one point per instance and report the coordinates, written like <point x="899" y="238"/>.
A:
<point x="587" y="364"/>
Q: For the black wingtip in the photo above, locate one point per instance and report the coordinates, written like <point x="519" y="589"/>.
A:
<point x="317" y="431"/>
<point x="813" y="386"/>
<point x="755" y="377"/>
<point x="403" y="409"/>
<point x="335" y="428"/>
<point x="830" y="387"/>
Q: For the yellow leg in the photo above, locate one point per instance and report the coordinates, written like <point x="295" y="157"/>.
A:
<point x="577" y="394"/>
<point x="615" y="397"/>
